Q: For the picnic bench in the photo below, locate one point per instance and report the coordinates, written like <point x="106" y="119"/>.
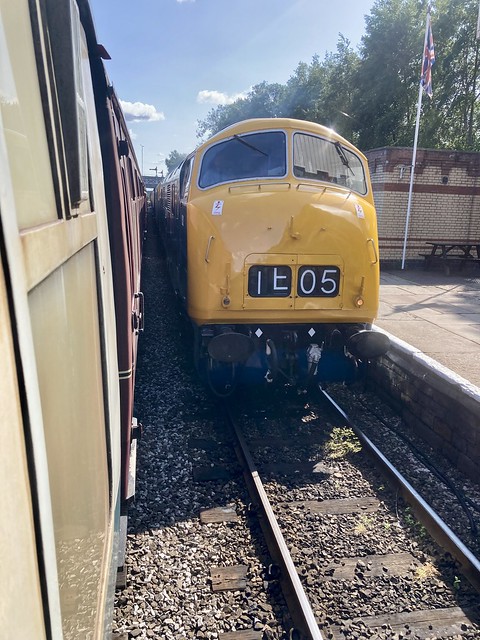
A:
<point x="458" y="253"/>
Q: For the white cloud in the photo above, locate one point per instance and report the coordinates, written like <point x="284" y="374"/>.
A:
<point x="133" y="135"/>
<point x="140" y="112"/>
<point x="216" y="97"/>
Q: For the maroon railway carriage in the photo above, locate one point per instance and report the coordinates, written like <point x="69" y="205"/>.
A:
<point x="126" y="210"/>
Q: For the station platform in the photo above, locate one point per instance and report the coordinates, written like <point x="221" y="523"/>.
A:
<point x="437" y="314"/>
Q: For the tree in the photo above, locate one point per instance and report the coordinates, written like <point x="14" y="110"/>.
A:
<point x="455" y="75"/>
<point x="370" y="96"/>
<point x="303" y="91"/>
<point x="388" y="79"/>
<point x="386" y="85"/>
<point x="337" y="97"/>
<point x="174" y="159"/>
<point x="220" y="117"/>
<point x="262" y="101"/>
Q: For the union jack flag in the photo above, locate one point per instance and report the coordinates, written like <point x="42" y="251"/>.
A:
<point x="428" y="62"/>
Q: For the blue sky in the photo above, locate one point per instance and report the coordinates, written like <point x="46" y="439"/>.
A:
<point x="174" y="60"/>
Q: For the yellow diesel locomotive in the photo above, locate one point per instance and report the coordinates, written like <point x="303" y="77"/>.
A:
<point x="271" y="240"/>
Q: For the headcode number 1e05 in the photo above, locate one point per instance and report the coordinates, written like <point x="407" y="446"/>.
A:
<point x="276" y="281"/>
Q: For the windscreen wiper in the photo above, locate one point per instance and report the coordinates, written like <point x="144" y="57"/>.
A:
<point x="343" y="156"/>
<point x="247" y="144"/>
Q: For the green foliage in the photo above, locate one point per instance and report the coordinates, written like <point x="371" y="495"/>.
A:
<point x="262" y="101"/>
<point x="338" y="92"/>
<point x="387" y="82"/>
<point x="342" y="442"/>
<point x="311" y="93"/>
<point x="456" y="74"/>
<point x="412" y="523"/>
<point x="370" y="95"/>
<point x="174" y="159"/>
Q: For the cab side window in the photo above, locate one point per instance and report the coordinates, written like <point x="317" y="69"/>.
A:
<point x="185" y="179"/>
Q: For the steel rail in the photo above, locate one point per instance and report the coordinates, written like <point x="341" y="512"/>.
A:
<point x="438" y="529"/>
<point x="300" y="609"/>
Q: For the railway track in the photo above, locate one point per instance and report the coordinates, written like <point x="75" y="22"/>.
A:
<point x="197" y="562"/>
<point x="397" y="567"/>
<point x="434" y="524"/>
<point x="299" y="605"/>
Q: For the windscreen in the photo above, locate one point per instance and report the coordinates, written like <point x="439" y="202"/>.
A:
<point x="256" y="155"/>
<point x="315" y="158"/>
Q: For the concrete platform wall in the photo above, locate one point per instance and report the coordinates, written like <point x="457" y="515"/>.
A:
<point x="440" y="407"/>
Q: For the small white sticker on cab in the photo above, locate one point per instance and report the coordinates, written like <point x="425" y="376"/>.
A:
<point x="217" y="208"/>
<point x="359" y="210"/>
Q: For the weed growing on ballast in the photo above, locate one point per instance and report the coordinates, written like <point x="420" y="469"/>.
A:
<point x="342" y="442"/>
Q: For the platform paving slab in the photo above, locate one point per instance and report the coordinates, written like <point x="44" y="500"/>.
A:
<point x="435" y="313"/>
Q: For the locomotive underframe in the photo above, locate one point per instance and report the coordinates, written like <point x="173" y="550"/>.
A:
<point x="296" y="354"/>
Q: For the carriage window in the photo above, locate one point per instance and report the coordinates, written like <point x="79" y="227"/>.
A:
<point x="68" y="51"/>
<point x="26" y="137"/>
<point x="131" y="181"/>
<point x="319" y="159"/>
<point x="257" y="155"/>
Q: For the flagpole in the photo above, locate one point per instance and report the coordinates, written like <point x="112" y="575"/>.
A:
<point x="415" y="140"/>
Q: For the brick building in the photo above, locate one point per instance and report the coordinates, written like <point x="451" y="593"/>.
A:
<point x="445" y="202"/>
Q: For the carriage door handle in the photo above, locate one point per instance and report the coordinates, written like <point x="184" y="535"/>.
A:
<point x="139" y="317"/>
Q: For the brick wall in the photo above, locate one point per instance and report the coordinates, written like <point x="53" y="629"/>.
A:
<point x="445" y="201"/>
